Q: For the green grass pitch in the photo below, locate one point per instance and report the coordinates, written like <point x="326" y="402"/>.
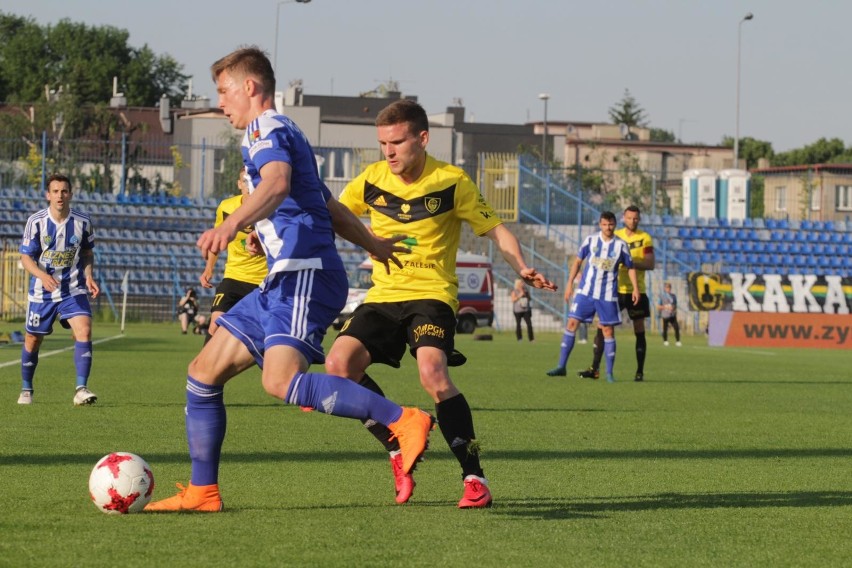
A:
<point x="723" y="457"/>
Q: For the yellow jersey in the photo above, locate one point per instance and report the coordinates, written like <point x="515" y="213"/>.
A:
<point x="429" y="212"/>
<point x="240" y="265"/>
<point x="640" y="244"/>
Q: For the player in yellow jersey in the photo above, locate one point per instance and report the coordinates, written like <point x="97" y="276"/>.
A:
<point x="641" y="246"/>
<point x="244" y="271"/>
<point x="411" y="193"/>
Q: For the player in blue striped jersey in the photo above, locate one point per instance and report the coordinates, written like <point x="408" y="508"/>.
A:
<point x="280" y="325"/>
<point x="597" y="291"/>
<point x="57" y="251"/>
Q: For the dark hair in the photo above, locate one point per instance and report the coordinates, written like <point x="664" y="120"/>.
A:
<point x="608" y="216"/>
<point x="248" y="61"/>
<point x="404" y="110"/>
<point x="633" y="208"/>
<point x="58" y="177"/>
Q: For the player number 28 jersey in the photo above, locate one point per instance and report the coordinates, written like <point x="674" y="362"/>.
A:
<point x="56" y="248"/>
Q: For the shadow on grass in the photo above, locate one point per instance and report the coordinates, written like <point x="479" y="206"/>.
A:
<point x="815" y="381"/>
<point x="558" y="509"/>
<point x="53" y="458"/>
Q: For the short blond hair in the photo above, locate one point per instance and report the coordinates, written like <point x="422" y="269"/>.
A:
<point x="248" y="61"/>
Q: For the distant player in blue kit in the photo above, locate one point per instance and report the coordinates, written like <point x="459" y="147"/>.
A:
<point x="597" y="291"/>
<point x="281" y="325"/>
<point x="57" y="251"/>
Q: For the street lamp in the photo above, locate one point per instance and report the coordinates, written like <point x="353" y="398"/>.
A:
<point x="278" y="17"/>
<point x="746" y="18"/>
<point x="544" y="97"/>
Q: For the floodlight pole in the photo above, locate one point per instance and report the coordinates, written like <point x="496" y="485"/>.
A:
<point x="746" y="18"/>
<point x="277" y="18"/>
<point x="544" y="97"/>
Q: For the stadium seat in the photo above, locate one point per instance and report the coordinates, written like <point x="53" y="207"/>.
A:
<point x="758" y="223"/>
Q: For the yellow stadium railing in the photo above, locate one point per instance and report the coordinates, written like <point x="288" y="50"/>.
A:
<point x="13" y="284"/>
<point x="497" y="178"/>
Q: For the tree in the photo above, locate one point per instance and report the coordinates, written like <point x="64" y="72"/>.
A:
<point x="820" y="152"/>
<point x="82" y="60"/>
<point x="627" y="111"/>
<point x="751" y="150"/>
<point x="660" y="135"/>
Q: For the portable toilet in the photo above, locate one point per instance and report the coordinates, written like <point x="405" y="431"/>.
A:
<point x="699" y="193"/>
<point x="734" y="194"/>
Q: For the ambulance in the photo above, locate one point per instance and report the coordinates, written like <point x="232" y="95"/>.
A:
<point x="476" y="292"/>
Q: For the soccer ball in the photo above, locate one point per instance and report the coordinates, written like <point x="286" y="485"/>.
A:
<point x="121" y="483"/>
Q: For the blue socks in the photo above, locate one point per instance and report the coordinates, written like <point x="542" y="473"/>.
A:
<point x="83" y="361"/>
<point x="206" y="418"/>
<point x="609" y="354"/>
<point x="205" y="430"/>
<point x="565" y="348"/>
<point x="341" y="397"/>
<point x="29" y="362"/>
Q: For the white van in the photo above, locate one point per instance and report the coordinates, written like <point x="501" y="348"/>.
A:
<point x="476" y="291"/>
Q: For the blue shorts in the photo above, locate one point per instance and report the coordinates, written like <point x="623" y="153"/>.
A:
<point x="41" y="315"/>
<point x="292" y="308"/>
<point x="584" y="308"/>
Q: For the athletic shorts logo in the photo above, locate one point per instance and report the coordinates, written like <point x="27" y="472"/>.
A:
<point x="430" y="330"/>
<point x="433" y="204"/>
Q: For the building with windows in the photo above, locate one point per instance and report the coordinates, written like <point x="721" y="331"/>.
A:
<point x="819" y="192"/>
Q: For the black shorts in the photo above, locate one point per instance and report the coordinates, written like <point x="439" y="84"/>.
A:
<point x="229" y="292"/>
<point x="386" y="328"/>
<point x="641" y="310"/>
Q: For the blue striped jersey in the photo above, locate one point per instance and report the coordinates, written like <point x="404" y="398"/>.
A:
<point x="298" y="234"/>
<point x="600" y="275"/>
<point x="56" y="248"/>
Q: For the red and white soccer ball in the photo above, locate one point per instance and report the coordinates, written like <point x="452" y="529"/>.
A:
<point x="121" y="483"/>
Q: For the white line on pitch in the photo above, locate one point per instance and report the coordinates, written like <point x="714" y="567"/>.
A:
<point x="55" y="351"/>
<point x="736" y="350"/>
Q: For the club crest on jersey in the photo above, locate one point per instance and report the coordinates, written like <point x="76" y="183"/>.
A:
<point x="46" y="240"/>
<point x="433" y="204"/>
<point x="74" y="240"/>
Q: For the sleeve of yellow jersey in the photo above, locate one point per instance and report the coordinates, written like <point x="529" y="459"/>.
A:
<point x="352" y="196"/>
<point x="472" y="207"/>
<point x="220" y="213"/>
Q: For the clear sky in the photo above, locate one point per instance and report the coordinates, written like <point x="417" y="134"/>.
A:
<point x="677" y="57"/>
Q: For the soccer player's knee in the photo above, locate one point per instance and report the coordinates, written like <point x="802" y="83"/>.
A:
<point x="336" y="365"/>
<point x="275" y="386"/>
